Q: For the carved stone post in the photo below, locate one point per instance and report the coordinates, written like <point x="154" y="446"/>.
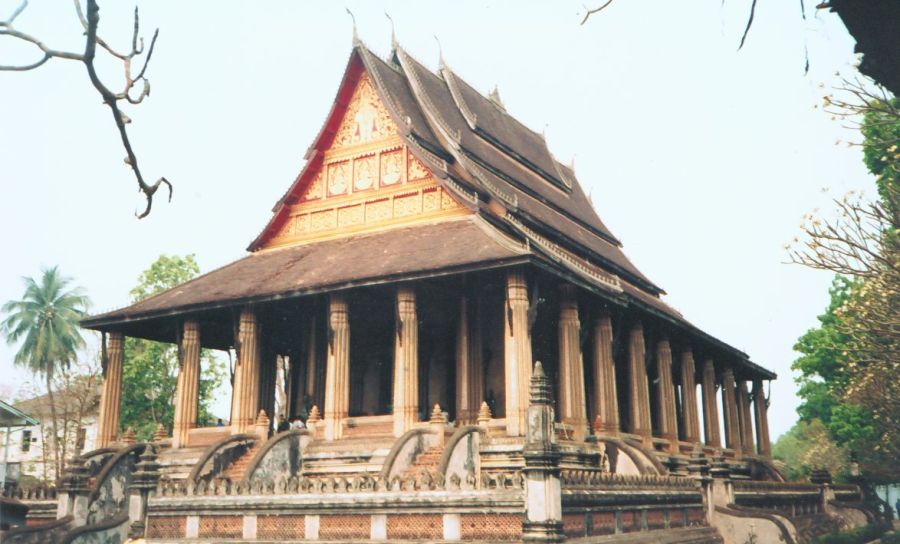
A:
<point x="337" y="368"/>
<point x="469" y="386"/>
<point x="246" y="381"/>
<point x="111" y="397"/>
<point x="572" y="404"/>
<point x="761" y="409"/>
<point x="710" y="409"/>
<point x="141" y="490"/>
<point x="689" y="398"/>
<point x="605" y="376"/>
<point x="639" y="389"/>
<point x="668" y="424"/>
<point x="187" y="395"/>
<point x="406" y="362"/>
<point x="730" y="407"/>
<point x="74" y="492"/>
<point x="517" y="353"/>
<point x="745" y="418"/>
<point x="543" y="511"/>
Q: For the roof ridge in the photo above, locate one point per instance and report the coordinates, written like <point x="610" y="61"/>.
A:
<point x="502" y="110"/>
<point x="454" y="137"/>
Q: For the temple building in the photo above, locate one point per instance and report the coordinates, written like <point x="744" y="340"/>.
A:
<point x="474" y="355"/>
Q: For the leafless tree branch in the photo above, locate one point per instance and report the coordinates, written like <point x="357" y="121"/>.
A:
<point x="595" y="10"/>
<point x="90" y="20"/>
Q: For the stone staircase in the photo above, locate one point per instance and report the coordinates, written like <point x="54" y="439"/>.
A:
<point x="177" y="464"/>
<point x="346" y="457"/>
<point x="427" y="461"/>
<point x="236" y="471"/>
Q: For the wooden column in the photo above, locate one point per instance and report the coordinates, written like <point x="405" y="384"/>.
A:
<point x="110" y="398"/>
<point x="745" y="418"/>
<point x="572" y="403"/>
<point x="689" y="398"/>
<point x="639" y="389"/>
<point x="268" y="366"/>
<point x="406" y="362"/>
<point x="517" y="352"/>
<point x="187" y="394"/>
<point x="730" y="408"/>
<point x="469" y="382"/>
<point x="761" y="409"/>
<point x="246" y="380"/>
<point x="605" y="376"/>
<point x="297" y="389"/>
<point x="710" y="408"/>
<point x="311" y="354"/>
<point x="337" y="368"/>
<point x="665" y="391"/>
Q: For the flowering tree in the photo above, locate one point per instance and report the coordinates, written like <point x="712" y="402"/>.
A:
<point x="849" y="372"/>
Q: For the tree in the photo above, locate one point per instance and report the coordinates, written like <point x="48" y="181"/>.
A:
<point x="45" y="321"/>
<point x="807" y="446"/>
<point x="850" y="364"/>
<point x="76" y="401"/>
<point x="90" y="20"/>
<point x="150" y="371"/>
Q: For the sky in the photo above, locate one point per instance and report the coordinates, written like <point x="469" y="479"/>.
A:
<point x="701" y="158"/>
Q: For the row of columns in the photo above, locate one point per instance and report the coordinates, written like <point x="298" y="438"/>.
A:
<point x="517" y="366"/>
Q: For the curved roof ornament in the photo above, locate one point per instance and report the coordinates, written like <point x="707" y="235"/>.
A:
<point x="356" y="40"/>
<point x="394" y="43"/>
<point x="441" y="62"/>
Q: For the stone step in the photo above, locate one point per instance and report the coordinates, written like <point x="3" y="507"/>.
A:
<point x="427" y="461"/>
<point x="236" y="470"/>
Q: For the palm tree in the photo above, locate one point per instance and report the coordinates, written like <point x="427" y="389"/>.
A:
<point x="45" y="321"/>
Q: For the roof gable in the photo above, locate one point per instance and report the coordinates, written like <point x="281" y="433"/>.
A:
<point x="362" y="176"/>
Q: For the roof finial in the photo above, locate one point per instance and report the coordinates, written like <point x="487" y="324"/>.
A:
<point x="440" y="52"/>
<point x="495" y="98"/>
<point x="393" y="32"/>
<point x="355" y="35"/>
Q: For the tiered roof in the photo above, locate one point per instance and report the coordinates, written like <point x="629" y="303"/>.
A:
<point x="522" y="206"/>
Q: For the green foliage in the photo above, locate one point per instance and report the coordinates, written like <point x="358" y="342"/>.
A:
<point x="150" y="371"/>
<point x="45" y="321"/>
<point x="860" y="535"/>
<point x="808" y="445"/>
<point x="822" y="365"/>
<point x="881" y="150"/>
<point x="165" y="273"/>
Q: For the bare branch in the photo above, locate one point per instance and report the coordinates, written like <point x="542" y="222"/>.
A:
<point x="6" y="29"/>
<point x="749" y="24"/>
<point x="16" y="13"/>
<point x="90" y="20"/>
<point x="595" y="10"/>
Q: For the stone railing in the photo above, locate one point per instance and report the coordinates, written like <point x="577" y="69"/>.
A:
<point x="36" y="493"/>
<point x="847" y="492"/>
<point x="425" y="481"/>
<point x="788" y="499"/>
<point x="595" y="479"/>
<point x="779" y="487"/>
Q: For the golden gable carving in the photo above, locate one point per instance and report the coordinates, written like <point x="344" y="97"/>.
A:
<point x="366" y="118"/>
<point x="368" y="180"/>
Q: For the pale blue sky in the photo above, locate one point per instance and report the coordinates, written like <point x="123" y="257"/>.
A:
<point x="700" y="158"/>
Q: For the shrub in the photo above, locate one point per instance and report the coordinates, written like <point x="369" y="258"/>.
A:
<point x="860" y="535"/>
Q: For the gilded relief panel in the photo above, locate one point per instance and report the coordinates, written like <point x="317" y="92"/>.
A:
<point x="368" y="179"/>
